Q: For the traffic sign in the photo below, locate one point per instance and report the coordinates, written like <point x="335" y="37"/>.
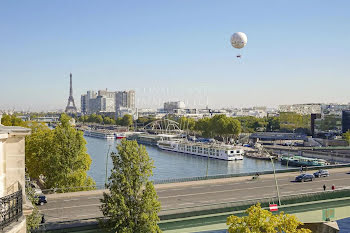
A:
<point x="273" y="207"/>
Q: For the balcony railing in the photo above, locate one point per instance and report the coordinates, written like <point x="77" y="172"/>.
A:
<point x="11" y="208"/>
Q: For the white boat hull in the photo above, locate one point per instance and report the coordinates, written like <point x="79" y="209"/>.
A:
<point x="222" y="156"/>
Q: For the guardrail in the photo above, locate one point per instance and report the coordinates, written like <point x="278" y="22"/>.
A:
<point x="10" y="208"/>
<point x="179" y="180"/>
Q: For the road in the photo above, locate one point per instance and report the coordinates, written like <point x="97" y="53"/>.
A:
<point x="85" y="205"/>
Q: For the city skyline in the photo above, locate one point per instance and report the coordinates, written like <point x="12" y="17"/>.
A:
<point x="296" y="53"/>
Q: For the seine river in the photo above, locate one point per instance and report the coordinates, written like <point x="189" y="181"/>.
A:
<point x="170" y="165"/>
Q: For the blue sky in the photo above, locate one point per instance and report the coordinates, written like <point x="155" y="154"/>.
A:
<point x="297" y="52"/>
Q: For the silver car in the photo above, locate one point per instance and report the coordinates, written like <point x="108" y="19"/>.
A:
<point x="321" y="173"/>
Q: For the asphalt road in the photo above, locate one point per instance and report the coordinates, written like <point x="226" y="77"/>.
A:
<point x="85" y="205"/>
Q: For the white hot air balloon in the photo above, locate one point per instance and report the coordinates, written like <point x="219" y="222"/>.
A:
<point x="239" y="40"/>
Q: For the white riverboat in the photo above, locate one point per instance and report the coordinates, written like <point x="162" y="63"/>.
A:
<point x="216" y="151"/>
<point x="99" y="134"/>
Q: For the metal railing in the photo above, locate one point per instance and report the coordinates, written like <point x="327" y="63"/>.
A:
<point x="11" y="208"/>
<point x="187" y="179"/>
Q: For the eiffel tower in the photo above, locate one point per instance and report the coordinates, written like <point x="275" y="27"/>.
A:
<point x="71" y="109"/>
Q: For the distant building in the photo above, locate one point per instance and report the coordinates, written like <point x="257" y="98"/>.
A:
<point x="125" y="103"/>
<point x="86" y="106"/>
<point x="334" y="109"/>
<point x="259" y="112"/>
<point x="345" y="121"/>
<point x="312" y="125"/>
<point x="125" y="99"/>
<point x="330" y="123"/>
<point x="106" y="101"/>
<point x="277" y="138"/>
<point x="304" y="109"/>
<point x="171" y="106"/>
<point x="124" y="111"/>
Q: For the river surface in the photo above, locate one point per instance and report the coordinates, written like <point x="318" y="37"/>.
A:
<point x="171" y="165"/>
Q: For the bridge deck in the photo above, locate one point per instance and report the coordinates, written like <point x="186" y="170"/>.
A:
<point x="178" y="199"/>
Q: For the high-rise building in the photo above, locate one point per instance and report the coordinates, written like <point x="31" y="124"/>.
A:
<point x="87" y="102"/>
<point x="125" y="99"/>
<point x="107" y="101"/>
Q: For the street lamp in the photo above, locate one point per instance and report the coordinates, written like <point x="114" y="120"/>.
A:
<point x="274" y="175"/>
<point x="109" y="147"/>
<point x="207" y="165"/>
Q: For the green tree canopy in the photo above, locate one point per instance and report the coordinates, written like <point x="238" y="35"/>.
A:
<point x="203" y="125"/>
<point x="224" y="126"/>
<point x="127" y="120"/>
<point x="187" y="123"/>
<point x="145" y="120"/>
<point x="273" y="124"/>
<point x="60" y="155"/>
<point x="346" y="136"/>
<point x="132" y="205"/>
<point x="252" y="124"/>
<point x="34" y="219"/>
<point x="259" y="220"/>
<point x="108" y="121"/>
<point x="290" y="121"/>
<point x="12" y="120"/>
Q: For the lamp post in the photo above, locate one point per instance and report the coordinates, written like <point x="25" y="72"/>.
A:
<point x="109" y="147"/>
<point x="207" y="165"/>
<point x="274" y="175"/>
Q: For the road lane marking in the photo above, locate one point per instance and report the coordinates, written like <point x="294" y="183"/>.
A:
<point x="72" y="199"/>
<point x="70" y="207"/>
<point x="235" y="190"/>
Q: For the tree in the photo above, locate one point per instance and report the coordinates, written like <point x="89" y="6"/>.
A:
<point x="290" y="121"/>
<point x="252" y="124"/>
<point x="204" y="126"/>
<point x="39" y="146"/>
<point x="187" y="123"/>
<point x="233" y="127"/>
<point x="12" y="120"/>
<point x="260" y="220"/>
<point x="132" y="204"/>
<point x="346" y="136"/>
<point x="60" y="155"/>
<point x="99" y="119"/>
<point x="273" y="124"/>
<point x="108" y="121"/>
<point x="127" y="120"/>
<point x="33" y="220"/>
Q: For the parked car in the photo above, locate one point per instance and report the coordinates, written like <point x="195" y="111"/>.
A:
<point x="321" y="173"/>
<point x="304" y="177"/>
<point x="41" y="200"/>
<point x="36" y="188"/>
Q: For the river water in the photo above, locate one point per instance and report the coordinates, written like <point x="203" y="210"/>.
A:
<point x="170" y="165"/>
